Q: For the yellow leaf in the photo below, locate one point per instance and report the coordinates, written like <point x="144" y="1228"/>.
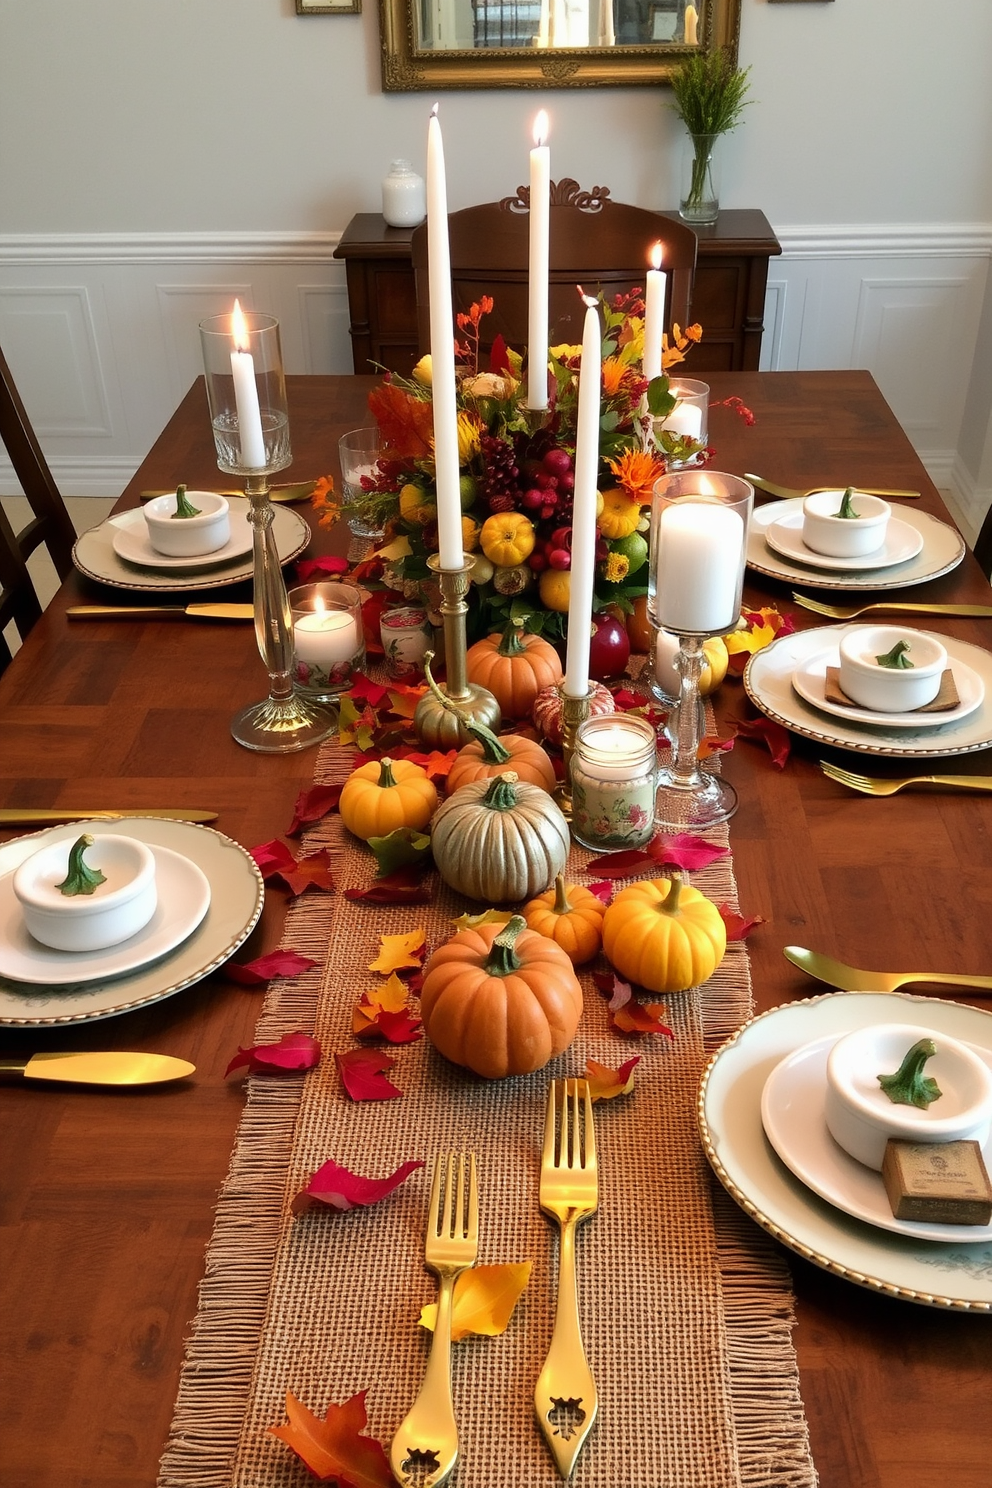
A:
<point x="390" y="996"/>
<point x="606" y="1083"/>
<point x="398" y="548"/>
<point x="397" y="951"/>
<point x="484" y="1300"/>
<point x="487" y="917"/>
<point x="749" y="640"/>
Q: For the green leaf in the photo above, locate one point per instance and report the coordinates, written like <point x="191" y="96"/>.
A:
<point x="399" y="848"/>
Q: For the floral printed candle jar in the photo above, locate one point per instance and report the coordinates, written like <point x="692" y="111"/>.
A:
<point x="328" y="639"/>
<point x="614" y="780"/>
<point x="406" y="639"/>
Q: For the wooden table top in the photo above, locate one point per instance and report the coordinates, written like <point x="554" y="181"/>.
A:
<point x="108" y="1197"/>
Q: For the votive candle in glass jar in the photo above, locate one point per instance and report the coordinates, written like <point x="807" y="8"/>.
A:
<point x="406" y="639"/>
<point x="328" y="639"/>
<point x="614" y="780"/>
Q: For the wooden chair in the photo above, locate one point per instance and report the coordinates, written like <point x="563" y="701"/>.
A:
<point x="596" y="242"/>
<point x="50" y="525"/>
<point x="983" y="545"/>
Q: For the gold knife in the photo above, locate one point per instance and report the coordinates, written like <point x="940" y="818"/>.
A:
<point x="787" y="493"/>
<point x="290" y="492"/>
<point x="162" y="612"/>
<point x="115" y="1068"/>
<point x="27" y="816"/>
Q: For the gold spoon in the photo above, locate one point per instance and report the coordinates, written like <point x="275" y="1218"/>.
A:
<point x="851" y="979"/>
<point x="786" y="493"/>
<point x="294" y="491"/>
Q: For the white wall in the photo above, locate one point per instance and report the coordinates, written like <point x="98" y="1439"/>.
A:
<point x="156" y="153"/>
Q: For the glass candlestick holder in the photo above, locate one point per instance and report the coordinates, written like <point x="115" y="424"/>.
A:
<point x="695" y="578"/>
<point x="246" y="395"/>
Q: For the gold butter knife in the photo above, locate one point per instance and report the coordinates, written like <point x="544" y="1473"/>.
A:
<point x="27" y="816"/>
<point x="290" y="492"/>
<point x="162" y="612"/>
<point x="786" y="493"/>
<point x="116" y="1068"/>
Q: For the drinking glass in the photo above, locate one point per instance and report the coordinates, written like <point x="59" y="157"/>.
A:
<point x="358" y="453"/>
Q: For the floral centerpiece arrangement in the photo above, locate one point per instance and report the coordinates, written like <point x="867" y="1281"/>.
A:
<point x="517" y="474"/>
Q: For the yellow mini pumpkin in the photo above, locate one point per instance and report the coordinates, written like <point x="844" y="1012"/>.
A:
<point x="507" y="538"/>
<point x="416" y="507"/>
<point x="384" y="795"/>
<point x="664" y="935"/>
<point x="620" y="514"/>
<point x="571" y="916"/>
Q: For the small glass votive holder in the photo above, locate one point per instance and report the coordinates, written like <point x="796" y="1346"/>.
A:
<point x="689" y="419"/>
<point x="407" y="636"/>
<point x="614" y="778"/>
<point x="328" y="639"/>
<point x="358" y="455"/>
<point x="246" y="392"/>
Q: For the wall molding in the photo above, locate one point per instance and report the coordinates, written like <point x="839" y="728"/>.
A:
<point x="889" y="240"/>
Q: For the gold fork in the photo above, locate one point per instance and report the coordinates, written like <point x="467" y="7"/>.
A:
<point x="874" y="785"/>
<point x="565" y="1397"/>
<point x="849" y="612"/>
<point x="425" y="1448"/>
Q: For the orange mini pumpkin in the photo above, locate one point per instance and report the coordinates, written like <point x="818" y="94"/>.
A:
<point x="500" y="1000"/>
<point x="386" y="794"/>
<point x="571" y="916"/>
<point x="489" y="755"/>
<point x="513" y="667"/>
<point x="664" y="935"/>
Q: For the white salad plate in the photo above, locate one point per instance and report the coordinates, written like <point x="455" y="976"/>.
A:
<point x="183" y="900"/>
<point x="793" y="1116"/>
<point x="938" y="1273"/>
<point x="95" y="556"/>
<point x="810" y="680"/>
<point x="942" y="549"/>
<point x="902" y="542"/>
<point x="236" y="897"/>
<point x="768" y="681"/>
<point x="132" y="543"/>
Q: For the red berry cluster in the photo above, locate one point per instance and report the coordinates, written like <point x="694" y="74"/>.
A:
<point x="538" y="479"/>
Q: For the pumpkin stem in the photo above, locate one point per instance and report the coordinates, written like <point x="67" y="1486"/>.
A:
<point x="671" y="904"/>
<point x="561" y="905"/>
<point x="386" y="779"/>
<point x="512" y="642"/>
<point x="503" y="959"/>
<point x="493" y="752"/>
<point x="80" y="877"/>
<point x="502" y="794"/>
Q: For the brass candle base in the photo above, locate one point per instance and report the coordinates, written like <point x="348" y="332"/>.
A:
<point x="573" y="712"/>
<point x="438" y="727"/>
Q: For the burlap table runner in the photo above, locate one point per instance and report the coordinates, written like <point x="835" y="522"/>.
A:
<point x="686" y="1305"/>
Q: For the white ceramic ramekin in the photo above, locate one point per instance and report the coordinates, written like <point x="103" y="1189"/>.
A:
<point x="188" y="537"/>
<point x="887" y="689"/>
<point x="116" y="910"/>
<point x="862" y="1118"/>
<point x="844" y="537"/>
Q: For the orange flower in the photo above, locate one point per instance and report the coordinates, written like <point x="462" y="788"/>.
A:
<point x="613" y="375"/>
<point x="636" y="471"/>
<point x="325" y="501"/>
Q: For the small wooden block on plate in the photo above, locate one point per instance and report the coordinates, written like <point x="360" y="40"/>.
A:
<point x="939" y="1182"/>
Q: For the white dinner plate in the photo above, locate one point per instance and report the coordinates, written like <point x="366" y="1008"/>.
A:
<point x="943" y="548"/>
<point x="183" y="900"/>
<point x="236" y="896"/>
<point x="793" y="1114"/>
<point x="94" y="556"/>
<point x="938" y="1274"/>
<point x="810" y="681"/>
<point x="902" y="542"/>
<point x="768" y="681"/>
<point x="132" y="543"/>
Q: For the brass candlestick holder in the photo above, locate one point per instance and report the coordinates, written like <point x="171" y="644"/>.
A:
<point x="574" y="710"/>
<point x="437" y="726"/>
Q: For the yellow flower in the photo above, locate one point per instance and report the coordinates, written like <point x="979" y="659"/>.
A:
<point x="620" y="515"/>
<point x="423" y="372"/>
<point x="616" y="568"/>
<point x="469" y="430"/>
<point x="325" y="501"/>
<point x="636" y="471"/>
<point x="565" y="353"/>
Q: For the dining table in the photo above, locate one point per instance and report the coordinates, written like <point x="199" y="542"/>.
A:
<point x="109" y="1195"/>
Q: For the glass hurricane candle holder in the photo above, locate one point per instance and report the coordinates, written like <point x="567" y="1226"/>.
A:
<point x="687" y="423"/>
<point x="358" y="454"/>
<point x="328" y="639"/>
<point x="246" y="395"/>
<point x="695" y="578"/>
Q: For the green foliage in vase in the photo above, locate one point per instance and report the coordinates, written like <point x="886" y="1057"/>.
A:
<point x="709" y="93"/>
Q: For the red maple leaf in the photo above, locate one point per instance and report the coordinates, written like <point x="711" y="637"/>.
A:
<point x="272" y="857"/>
<point x="406" y="424"/>
<point x="770" y="733"/>
<point x="264" y="968"/>
<point x="334" y="1447"/>
<point x="396" y="1028"/>
<point x="310" y="569"/>
<point x="738" y="928"/>
<point x="363" y="1074"/>
<point x="684" y="851"/>
<point x="404" y="886"/>
<point x="364" y="690"/>
<point x="293" y="1053"/>
<point x="311" y="805"/>
<point x="338" y="1188"/>
<point x="313" y="872"/>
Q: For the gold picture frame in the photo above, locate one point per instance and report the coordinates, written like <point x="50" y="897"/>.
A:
<point x="312" y="7"/>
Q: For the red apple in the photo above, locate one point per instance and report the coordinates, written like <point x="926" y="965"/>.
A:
<point x="609" y="649"/>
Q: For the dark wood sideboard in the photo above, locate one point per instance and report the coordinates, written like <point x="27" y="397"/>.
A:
<point x="728" y="297"/>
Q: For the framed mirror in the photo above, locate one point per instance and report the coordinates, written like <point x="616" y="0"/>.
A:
<point x="443" y="44"/>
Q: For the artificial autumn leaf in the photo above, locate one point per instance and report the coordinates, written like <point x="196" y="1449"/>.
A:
<point x="363" y="1074"/>
<point x="403" y="700"/>
<point x="356" y="723"/>
<point x="487" y="917"/>
<point x="311" y="805"/>
<point x="738" y="928"/>
<point x="383" y="1010"/>
<point x="400" y="950"/>
<point x="272" y="857"/>
<point x="626" y="700"/>
<point x="336" y="1187"/>
<point x="603" y="891"/>
<point x="621" y="864"/>
<point x="406" y="424"/>
<point x="364" y="690"/>
<point x="710" y="745"/>
<point x="767" y="731"/>
<point x="405" y="886"/>
<point x="276" y="964"/>
<point x="437" y="765"/>
<point x="405" y="845"/>
<point x="627" y="1014"/>
<point x="483" y="1301"/>
<point x="334" y="1447"/>
<point x="395" y="1028"/>
<point x="293" y="1053"/>
<point x="684" y="851"/>
<point x="310" y="569"/>
<point x="606" y="1083"/>
<point x="761" y="627"/>
<point x="372" y="609"/>
<point x="313" y="872"/>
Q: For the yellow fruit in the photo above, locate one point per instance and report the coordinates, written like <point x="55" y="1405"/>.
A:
<point x="554" y="589"/>
<point x="415" y="507"/>
<point x="507" y="538"/>
<point x="620" y="515"/>
<point x="715" y="664"/>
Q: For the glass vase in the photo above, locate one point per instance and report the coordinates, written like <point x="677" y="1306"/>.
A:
<point x="699" y="200"/>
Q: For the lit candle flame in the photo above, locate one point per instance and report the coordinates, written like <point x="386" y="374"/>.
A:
<point x="319" y="605"/>
<point x="239" y="328"/>
<point x="707" y="487"/>
<point x="541" y="128"/>
<point x="656" y="255"/>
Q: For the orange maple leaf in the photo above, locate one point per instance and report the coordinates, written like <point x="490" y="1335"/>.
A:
<point x="334" y="1447"/>
<point x="405" y="423"/>
<point x="606" y="1083"/>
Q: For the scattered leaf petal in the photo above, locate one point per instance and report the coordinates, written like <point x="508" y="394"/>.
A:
<point x="770" y="733"/>
<point x="335" y="1447"/>
<point x="363" y="1074"/>
<point x="310" y="569"/>
<point x="400" y="950"/>
<point x="405" y="845"/>
<point x="486" y="917"/>
<point x="738" y="928"/>
<point x="338" y="1188"/>
<point x="311" y="805"/>
<point x="603" y="891"/>
<point x="405" y="886"/>
<point x="621" y="864"/>
<point x="272" y="857"/>
<point x="627" y="1014"/>
<point x="606" y="1083"/>
<point x="313" y="872"/>
<point x="484" y="1299"/>
<point x="685" y="851"/>
<point x="293" y="1053"/>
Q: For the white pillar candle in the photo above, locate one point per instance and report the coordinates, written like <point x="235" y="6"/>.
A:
<point x="537" y="270"/>
<point x="684" y="419"/>
<point x="691" y="25"/>
<point x="700" y="551"/>
<point x="246" y="395"/>
<point x="325" y="637"/>
<point x="576" y="683"/>
<point x="449" y="507"/>
<point x="654" y="315"/>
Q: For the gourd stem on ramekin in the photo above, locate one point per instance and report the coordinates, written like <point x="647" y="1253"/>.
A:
<point x="386" y="779"/>
<point x="561" y="905"/>
<point x="511" y="643"/>
<point x="503" y="959"/>
<point x="502" y="793"/>
<point x="80" y="878"/>
<point x="493" y="752"/>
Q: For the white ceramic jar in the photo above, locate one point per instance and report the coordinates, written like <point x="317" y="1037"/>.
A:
<point x="404" y="196"/>
<point x="890" y="689"/>
<point x="844" y="537"/>
<point x="861" y="1117"/>
<point x="188" y="537"/>
<point x="116" y="909"/>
